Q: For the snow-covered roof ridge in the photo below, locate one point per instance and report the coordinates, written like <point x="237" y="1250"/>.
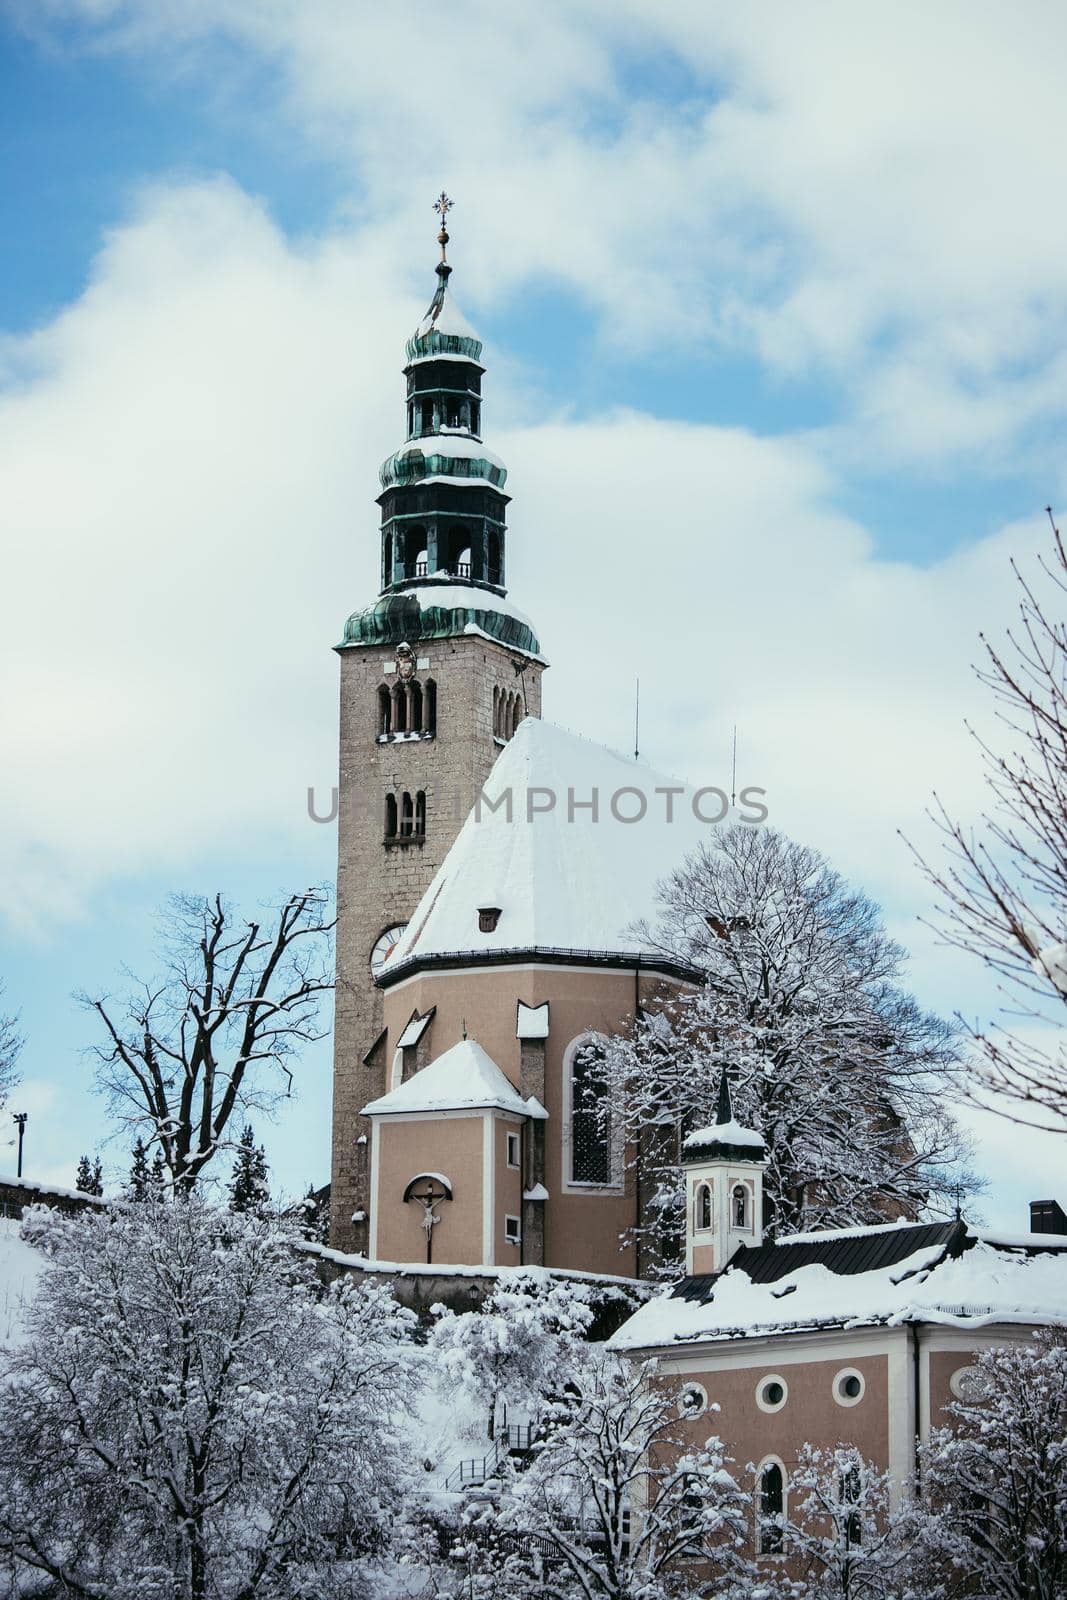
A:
<point x="566" y="876"/>
<point x="849" y="1278"/>
<point x="464" y="1078"/>
<point x="732" y="1132"/>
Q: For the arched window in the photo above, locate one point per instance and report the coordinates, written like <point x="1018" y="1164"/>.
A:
<point x="474" y="416"/>
<point x="453" y="412"/>
<point x="702" y="1208"/>
<point x="496" y="712"/>
<point x="770" y="1510"/>
<point x="387" y="560"/>
<point x="415" y="695"/>
<point x="414" y="547"/>
<point x="494" y="556"/>
<point x="426" y="422"/>
<point x="385" y="710"/>
<point x="516" y="713"/>
<point x="589" y="1129"/>
<point x="456" y="547"/>
<point x="429" y="706"/>
<point x="740" y="1206"/>
<point x="400" y="709"/>
<point x="407" y="815"/>
<point x="390" y="816"/>
<point x="420" y="814"/>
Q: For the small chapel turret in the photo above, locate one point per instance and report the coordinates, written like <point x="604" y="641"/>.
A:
<point x="723" y="1166"/>
<point x="436" y="675"/>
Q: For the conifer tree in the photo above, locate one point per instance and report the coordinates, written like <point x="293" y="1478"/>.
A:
<point x="248" y="1185"/>
<point x="137" y="1187"/>
<point x="90" y="1178"/>
<point x="157" y="1177"/>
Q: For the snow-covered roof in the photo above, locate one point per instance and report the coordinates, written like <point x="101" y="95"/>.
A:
<point x="532" y="1021"/>
<point x="463" y="1078"/>
<point x="731" y="1132"/>
<point x="945" y="1273"/>
<point x="444" y="316"/>
<point x="563" y="881"/>
<point x="463" y="446"/>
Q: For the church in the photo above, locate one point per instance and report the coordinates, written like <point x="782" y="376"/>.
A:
<point x="490" y="869"/>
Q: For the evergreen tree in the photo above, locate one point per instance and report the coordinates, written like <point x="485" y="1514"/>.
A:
<point x="157" y="1177"/>
<point x="316" y="1215"/>
<point x="90" y="1176"/>
<point x="248" y="1185"/>
<point x="137" y="1186"/>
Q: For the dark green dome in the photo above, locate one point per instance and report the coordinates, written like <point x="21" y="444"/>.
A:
<point x="408" y="615"/>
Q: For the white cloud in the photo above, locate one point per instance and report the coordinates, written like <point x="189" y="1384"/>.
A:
<point x="190" y="452"/>
<point x="832" y="188"/>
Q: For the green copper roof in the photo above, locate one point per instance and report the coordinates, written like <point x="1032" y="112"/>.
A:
<point x="440" y="457"/>
<point x="437" y="343"/>
<point x="426" y="613"/>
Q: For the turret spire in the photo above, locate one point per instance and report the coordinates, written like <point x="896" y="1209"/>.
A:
<point x="725" y="1112"/>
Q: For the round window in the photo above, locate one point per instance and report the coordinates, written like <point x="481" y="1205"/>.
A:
<point x="693" y="1400"/>
<point x="848" y="1387"/>
<point x="966" y="1383"/>
<point x="772" y="1393"/>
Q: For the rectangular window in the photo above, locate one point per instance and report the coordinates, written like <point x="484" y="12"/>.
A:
<point x="513" y="1150"/>
<point x="513" y="1230"/>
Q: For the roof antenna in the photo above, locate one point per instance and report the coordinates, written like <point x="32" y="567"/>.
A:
<point x="464" y="1027"/>
<point x="733" y="771"/>
<point x="637" y="719"/>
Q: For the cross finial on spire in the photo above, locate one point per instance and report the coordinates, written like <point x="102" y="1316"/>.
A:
<point x="443" y="205"/>
<point x="725" y="1112"/>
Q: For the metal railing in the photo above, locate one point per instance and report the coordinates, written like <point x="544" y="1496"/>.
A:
<point x="474" y="1471"/>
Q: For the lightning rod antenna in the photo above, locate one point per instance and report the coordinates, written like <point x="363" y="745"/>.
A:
<point x="637" y="718"/>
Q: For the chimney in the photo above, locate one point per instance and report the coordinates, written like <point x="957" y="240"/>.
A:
<point x="1047" y="1216"/>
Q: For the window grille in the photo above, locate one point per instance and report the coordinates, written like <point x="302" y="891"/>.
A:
<point x="590" y="1134"/>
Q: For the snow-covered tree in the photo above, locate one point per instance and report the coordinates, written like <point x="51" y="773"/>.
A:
<point x="158" y="1177"/>
<point x="10" y="1046"/>
<point x="839" y="1069"/>
<point x="249" y="1188"/>
<point x="845" y="1537"/>
<point x="616" y="1504"/>
<point x="191" y="1418"/>
<point x="89" y="1177"/>
<point x="1003" y="885"/>
<point x="137" y="1185"/>
<point x="995" y="1478"/>
<point x="315" y="1214"/>
<point x="218" y="1032"/>
<point x="522" y="1340"/>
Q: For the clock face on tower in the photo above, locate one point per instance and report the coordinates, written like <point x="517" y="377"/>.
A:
<point x="384" y="946"/>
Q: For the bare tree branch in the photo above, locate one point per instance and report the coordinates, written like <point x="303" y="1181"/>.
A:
<point x="220" y="1031"/>
<point x="1002" y="887"/>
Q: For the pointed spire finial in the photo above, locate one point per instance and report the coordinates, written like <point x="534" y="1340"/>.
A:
<point x="443" y="205"/>
<point x="725" y="1112"/>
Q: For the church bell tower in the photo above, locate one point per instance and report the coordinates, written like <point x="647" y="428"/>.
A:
<point x="435" y="677"/>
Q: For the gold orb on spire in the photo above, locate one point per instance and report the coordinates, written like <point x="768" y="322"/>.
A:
<point x="443" y="205"/>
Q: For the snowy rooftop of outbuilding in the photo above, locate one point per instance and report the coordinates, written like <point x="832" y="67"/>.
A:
<point x="914" y="1272"/>
<point x="463" y="1078"/>
<point x="563" y="881"/>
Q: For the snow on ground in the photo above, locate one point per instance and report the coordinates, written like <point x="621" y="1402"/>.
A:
<point x="20" y="1267"/>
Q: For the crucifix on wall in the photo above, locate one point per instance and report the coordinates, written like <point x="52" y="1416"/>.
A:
<point x="428" y="1189"/>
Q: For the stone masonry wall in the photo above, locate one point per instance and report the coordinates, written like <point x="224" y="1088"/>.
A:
<point x="379" y="885"/>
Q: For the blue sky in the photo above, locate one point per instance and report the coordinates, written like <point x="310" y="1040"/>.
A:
<point x="774" y="309"/>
